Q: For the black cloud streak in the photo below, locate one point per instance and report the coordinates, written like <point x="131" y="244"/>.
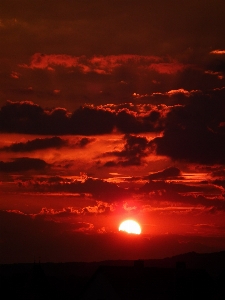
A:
<point x="168" y="173"/>
<point x="36" y="144"/>
<point x="161" y="185"/>
<point x="98" y="188"/>
<point x="23" y="164"/>
<point x="213" y="205"/>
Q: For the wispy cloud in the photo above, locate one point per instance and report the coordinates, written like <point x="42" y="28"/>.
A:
<point x="36" y="144"/>
<point x="97" y="64"/>
<point x="217" y="52"/>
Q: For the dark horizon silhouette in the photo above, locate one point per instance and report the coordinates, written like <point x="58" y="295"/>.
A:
<point x="186" y="275"/>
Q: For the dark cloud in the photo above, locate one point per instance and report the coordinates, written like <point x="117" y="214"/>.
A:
<point x="129" y="122"/>
<point x="87" y="120"/>
<point x="24" y="117"/>
<point x="195" y="132"/>
<point x="169" y="173"/>
<point x="90" y="120"/>
<point x="36" y="144"/>
<point x="27" y="117"/>
<point x="55" y="121"/>
<point x="83" y="142"/>
<point x="217" y="64"/>
<point x="134" y="150"/>
<point x="23" y="164"/>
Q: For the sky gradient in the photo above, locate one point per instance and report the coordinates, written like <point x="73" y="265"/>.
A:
<point x="111" y="110"/>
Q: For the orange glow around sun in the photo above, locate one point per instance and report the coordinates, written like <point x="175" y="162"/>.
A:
<point x="130" y="226"/>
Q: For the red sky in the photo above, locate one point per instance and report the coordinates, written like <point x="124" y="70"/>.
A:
<point x="111" y="110"/>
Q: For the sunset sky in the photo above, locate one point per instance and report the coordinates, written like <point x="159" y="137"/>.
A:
<point x="111" y="110"/>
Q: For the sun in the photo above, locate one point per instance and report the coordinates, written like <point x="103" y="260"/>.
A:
<point x="130" y="226"/>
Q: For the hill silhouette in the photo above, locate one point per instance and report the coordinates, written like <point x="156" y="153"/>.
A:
<point x="67" y="280"/>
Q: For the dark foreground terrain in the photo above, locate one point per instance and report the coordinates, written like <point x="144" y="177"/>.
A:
<point x="69" y="280"/>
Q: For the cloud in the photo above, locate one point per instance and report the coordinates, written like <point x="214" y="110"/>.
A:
<point x="130" y="122"/>
<point x="127" y="122"/>
<point x="169" y="173"/>
<point x="167" y="68"/>
<point x="36" y="144"/>
<point x="193" y="132"/>
<point x="204" y="225"/>
<point x="68" y="213"/>
<point x="168" y="99"/>
<point x="219" y="182"/>
<point x="217" y="52"/>
<point x="179" y="91"/>
<point x="181" y="188"/>
<point x="98" y="188"/>
<point x="213" y="73"/>
<point x="162" y="192"/>
<point x="134" y="150"/>
<point x="101" y="65"/>
<point x="27" y="117"/>
<point x="15" y="75"/>
<point x="217" y="66"/>
<point x="90" y="120"/>
<point x="42" y="61"/>
<point x="220" y="173"/>
<point x="83" y="142"/>
<point x="23" y="164"/>
<point x="24" y="117"/>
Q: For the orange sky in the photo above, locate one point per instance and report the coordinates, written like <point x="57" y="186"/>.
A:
<point x="109" y="111"/>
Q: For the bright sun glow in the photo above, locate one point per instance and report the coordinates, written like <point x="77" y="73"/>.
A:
<point x="130" y="226"/>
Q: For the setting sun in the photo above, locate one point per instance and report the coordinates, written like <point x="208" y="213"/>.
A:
<point x="130" y="226"/>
